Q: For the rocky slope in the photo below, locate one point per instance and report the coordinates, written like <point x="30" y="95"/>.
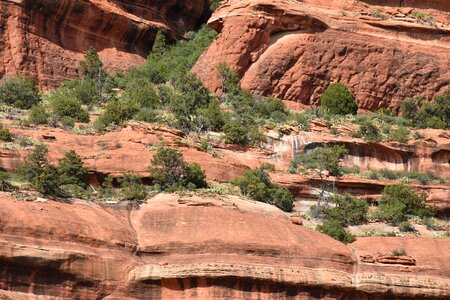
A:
<point x="201" y="248"/>
<point x="132" y="148"/>
<point x="46" y="38"/>
<point x="293" y="50"/>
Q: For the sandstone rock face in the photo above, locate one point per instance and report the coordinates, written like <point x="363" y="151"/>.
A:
<point x="131" y="150"/>
<point x="46" y="39"/>
<point x="186" y="247"/>
<point x="293" y="50"/>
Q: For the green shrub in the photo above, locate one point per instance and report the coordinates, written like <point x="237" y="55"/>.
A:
<point x="132" y="188"/>
<point x="398" y="202"/>
<point x="322" y="159"/>
<point x="347" y="210"/>
<point x="267" y="167"/>
<point x="71" y="170"/>
<point x="434" y="114"/>
<point x="338" y="100"/>
<point x="38" y="115"/>
<point x="116" y="113"/>
<point x="171" y="172"/>
<point x="85" y="90"/>
<point x="257" y="185"/>
<point x="418" y="136"/>
<point x="5" y="135"/>
<point x="336" y="231"/>
<point x="235" y="133"/>
<point x="422" y="17"/>
<point x="92" y="67"/>
<point x="63" y="104"/>
<point x="399" y="252"/>
<point x="369" y="132"/>
<point x="19" y="92"/>
<point x="215" y="117"/>
<point x="40" y="173"/>
<point x="406" y="226"/>
<point x="401" y="135"/>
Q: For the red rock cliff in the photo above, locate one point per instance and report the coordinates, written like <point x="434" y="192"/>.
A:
<point x="201" y="248"/>
<point x="293" y="50"/>
<point x="46" y="38"/>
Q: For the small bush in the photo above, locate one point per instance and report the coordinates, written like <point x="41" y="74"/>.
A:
<point x="132" y="188"/>
<point x="368" y="132"/>
<point x="267" y="167"/>
<point x="38" y="115"/>
<point x="64" y="105"/>
<point x="5" y="135"/>
<point x="418" y="136"/>
<point x="406" y="226"/>
<point x="71" y="170"/>
<point x="235" y="133"/>
<point x="347" y="210"/>
<point x="171" y="172"/>
<point x="401" y="135"/>
<point x="116" y="113"/>
<point x="19" y="92"/>
<point x="338" y="100"/>
<point x="336" y="231"/>
<point x="322" y="159"/>
<point x="257" y="185"/>
<point x="398" y="202"/>
<point x="399" y="252"/>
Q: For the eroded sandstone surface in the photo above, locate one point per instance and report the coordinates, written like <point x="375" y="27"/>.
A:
<point x="45" y="39"/>
<point x="293" y="50"/>
<point x="201" y="248"/>
<point x="131" y="149"/>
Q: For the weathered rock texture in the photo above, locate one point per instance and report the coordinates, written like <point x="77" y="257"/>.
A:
<point x="201" y="248"/>
<point x="293" y="50"/>
<point x="131" y="150"/>
<point x="46" y="38"/>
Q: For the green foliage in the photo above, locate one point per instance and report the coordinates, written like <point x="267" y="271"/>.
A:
<point x="84" y="90"/>
<point x="435" y="114"/>
<point x="347" y="210"/>
<point x="336" y="231"/>
<point x="214" y="116"/>
<point x="92" y="67"/>
<point x="116" y="113"/>
<point x="267" y="167"/>
<point x="400" y="134"/>
<point x="171" y="172"/>
<point x="322" y="159"/>
<point x="369" y="132"/>
<point x="178" y="59"/>
<point x="257" y="185"/>
<point x="71" y="170"/>
<point x="338" y="100"/>
<point x="50" y="180"/>
<point x="38" y="115"/>
<point x="399" y="202"/>
<point x="159" y="45"/>
<point x="418" y="136"/>
<point x="196" y="176"/>
<point x="235" y="133"/>
<point x="399" y="252"/>
<point x="406" y="226"/>
<point x="132" y="187"/>
<point x="423" y="17"/>
<point x="423" y="178"/>
<point x="214" y="4"/>
<point x="19" y="92"/>
<point x="62" y="104"/>
<point x="5" y="135"/>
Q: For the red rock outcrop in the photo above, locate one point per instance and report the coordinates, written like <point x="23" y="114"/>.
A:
<point x="132" y="148"/>
<point x="46" y="38"/>
<point x="186" y="247"/>
<point x="293" y="50"/>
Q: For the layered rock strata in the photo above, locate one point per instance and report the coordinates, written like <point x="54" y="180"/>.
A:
<point x="45" y="39"/>
<point x="293" y="50"/>
<point x="200" y="248"/>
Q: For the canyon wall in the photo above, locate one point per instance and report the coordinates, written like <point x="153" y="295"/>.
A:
<point x="45" y="39"/>
<point x="187" y="247"/>
<point x="293" y="50"/>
